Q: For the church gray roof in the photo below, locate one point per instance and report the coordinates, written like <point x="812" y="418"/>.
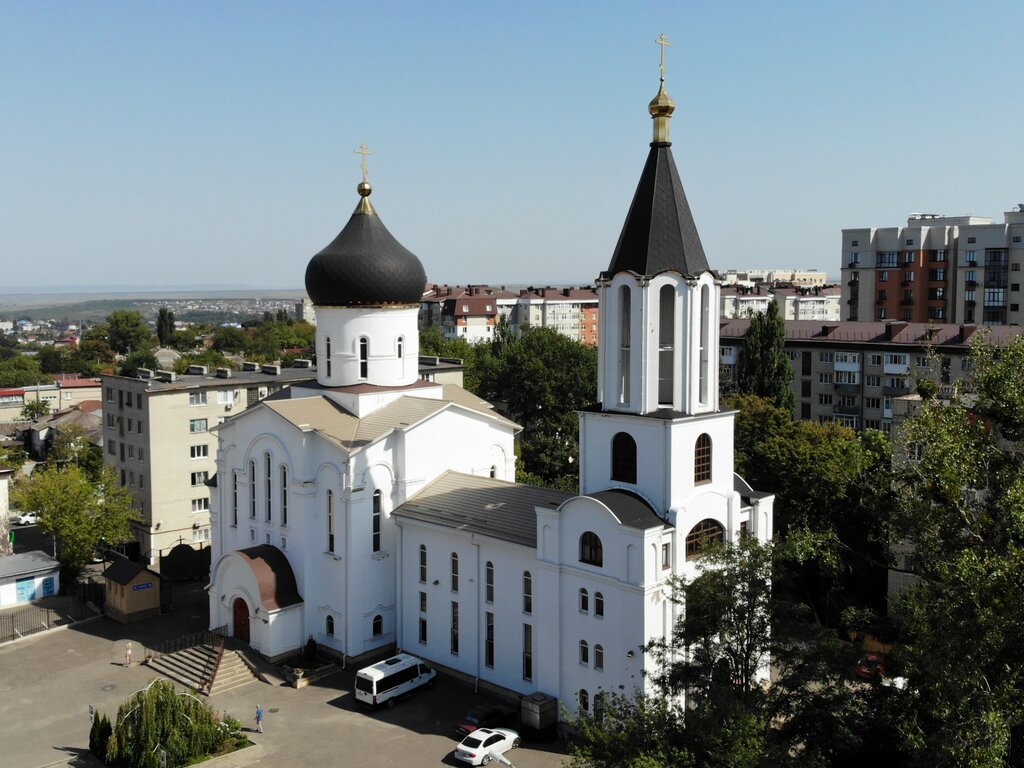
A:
<point x="631" y="510"/>
<point x="483" y="505"/>
<point x="659" y="234"/>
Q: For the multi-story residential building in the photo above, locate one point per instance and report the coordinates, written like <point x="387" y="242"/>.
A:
<point x="573" y="312"/>
<point x="304" y="311"/>
<point x="158" y="441"/>
<point x="852" y="372"/>
<point x="795" y="302"/>
<point x="958" y="269"/>
<point x="801" y="277"/>
<point x="67" y="390"/>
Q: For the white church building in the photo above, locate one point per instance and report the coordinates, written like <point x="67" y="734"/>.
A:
<point x="374" y="511"/>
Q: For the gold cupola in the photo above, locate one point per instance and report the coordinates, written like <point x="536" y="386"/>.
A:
<point x="662" y="106"/>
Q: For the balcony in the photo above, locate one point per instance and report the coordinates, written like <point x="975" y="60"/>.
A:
<point x="971" y="283"/>
<point x="847" y="410"/>
<point x="972" y="262"/>
<point x="847" y="389"/>
<point x="852" y="283"/>
<point x="895" y="391"/>
<point x="969" y="302"/>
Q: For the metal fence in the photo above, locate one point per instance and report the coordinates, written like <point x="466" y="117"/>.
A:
<point x="37" y="618"/>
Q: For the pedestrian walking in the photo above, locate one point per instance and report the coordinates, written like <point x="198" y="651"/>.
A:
<point x="127" y="654"/>
<point x="259" y="718"/>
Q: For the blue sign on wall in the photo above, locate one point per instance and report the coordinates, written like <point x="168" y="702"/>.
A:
<point x="143" y="585"/>
<point x="25" y="589"/>
<point x="48" y="586"/>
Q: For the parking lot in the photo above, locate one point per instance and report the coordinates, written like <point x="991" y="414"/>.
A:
<point x="48" y="681"/>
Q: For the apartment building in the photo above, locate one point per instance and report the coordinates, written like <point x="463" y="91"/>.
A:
<point x="158" y="441"/>
<point x="801" y="277"/>
<point x="67" y="390"/>
<point x="937" y="269"/>
<point x="795" y="302"/>
<point x="853" y="372"/>
<point x="573" y="312"/>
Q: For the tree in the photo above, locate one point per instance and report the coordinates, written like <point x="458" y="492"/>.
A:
<point x="95" y="347"/>
<point x="227" y="338"/>
<point x="164" y="326"/>
<point x="961" y="513"/>
<point x="142" y="358"/>
<point x="20" y="371"/>
<point x="764" y="368"/>
<point x="127" y="332"/>
<point x="52" y="360"/>
<point x="35" y="409"/>
<point x="71" y="446"/>
<point x="78" y="512"/>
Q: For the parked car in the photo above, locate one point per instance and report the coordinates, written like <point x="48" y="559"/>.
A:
<point x="26" y="518"/>
<point x="870" y="667"/>
<point x="480" y="747"/>
<point x="486" y="716"/>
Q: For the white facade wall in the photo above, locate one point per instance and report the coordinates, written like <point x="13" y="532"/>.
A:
<point x="393" y="345"/>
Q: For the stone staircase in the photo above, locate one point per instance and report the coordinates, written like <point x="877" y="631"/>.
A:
<point x="192" y="666"/>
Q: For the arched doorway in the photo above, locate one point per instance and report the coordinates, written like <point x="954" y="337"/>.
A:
<point x="240" y="619"/>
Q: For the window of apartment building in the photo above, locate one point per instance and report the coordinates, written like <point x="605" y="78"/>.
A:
<point x="848" y="357"/>
<point x="200" y="505"/>
<point x="131" y="479"/>
<point x="895" y="358"/>
<point x="896" y="382"/>
<point x="825" y="378"/>
<point x="1015" y="267"/>
<point x="886" y="258"/>
<point x="225" y="397"/>
<point x="111" y="421"/>
<point x="197" y="398"/>
<point x="873" y="381"/>
<point x="871" y="423"/>
<point x="805" y="389"/>
<point x="972" y="239"/>
<point x="111" y="447"/>
<point x="131" y="452"/>
<point x="199" y="451"/>
<point x="129" y="424"/>
<point x="197" y="425"/>
<point x="200" y="535"/>
<point x="936" y="274"/>
<point x="883" y="276"/>
<point x="939" y="255"/>
<point x="936" y="313"/>
<point x="423" y="563"/>
<point x="872" y="403"/>
<point x="971" y="276"/>
<point x="1015" y="307"/>
<point x="824" y="357"/>
<point x="969" y="315"/>
<point x="527" y="592"/>
<point x="124" y="478"/>
<point x="910" y="241"/>
<point x="936" y="293"/>
<point x="908" y="257"/>
<point x="921" y="361"/>
<point x="969" y="294"/>
<point x="909" y="277"/>
<point x="824" y="399"/>
<point x="883" y="313"/>
<point x="847" y="401"/>
<point x="847" y="377"/>
<point x="1016" y="238"/>
<point x="1014" y="287"/>
<point x="854" y="258"/>
<point x="199" y="478"/>
<point x="805" y="410"/>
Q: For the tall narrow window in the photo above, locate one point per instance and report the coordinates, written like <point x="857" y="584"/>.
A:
<point x="591" y="551"/>
<point x="234" y="499"/>
<point x="376" y="521"/>
<point x="364" y="357"/>
<point x="252" y="489"/>
<point x="423" y="630"/>
<point x="702" y="459"/>
<point x="584" y="699"/>
<point x="598" y="604"/>
<point x="527" y="592"/>
<point x="489" y="582"/>
<point x="489" y="639"/>
<point x="455" y="628"/>
<point x="327" y="354"/>
<point x="455" y="572"/>
<point x="666" y="343"/>
<point x="268" y="490"/>
<point x="423" y="563"/>
<point x="705" y="342"/>
<point x="401" y="347"/>
<point x="584" y="652"/>
<point x="527" y="652"/>
<point x="598" y="657"/>
<point x="330" y="521"/>
<point x="584" y="601"/>
<point x="284" y="495"/>
<point x="625" y="316"/>
<point x="624" y="458"/>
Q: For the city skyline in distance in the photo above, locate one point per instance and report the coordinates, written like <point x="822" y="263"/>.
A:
<point x="214" y="145"/>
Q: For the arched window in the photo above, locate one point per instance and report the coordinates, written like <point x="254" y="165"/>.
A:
<point x="455" y="572"/>
<point x="330" y="521"/>
<point x="329" y="626"/>
<point x="584" y="699"/>
<point x="423" y="563"/>
<point x="584" y="601"/>
<point x="598" y="657"/>
<point x="527" y="592"/>
<point x="666" y="343"/>
<point x="702" y="459"/>
<point x="489" y="582"/>
<point x="584" y="652"/>
<point x="598" y="604"/>
<point x="252" y="489"/>
<point x="268" y="485"/>
<point x="376" y="521"/>
<point x="284" y="495"/>
<point x="378" y="625"/>
<point x="327" y="350"/>
<point x="703" y="534"/>
<point x="401" y="347"/>
<point x="364" y="357"/>
<point x="624" y="458"/>
<point x="494" y="471"/>
<point x="625" y="316"/>
<point x="591" y="551"/>
<point x="705" y="342"/>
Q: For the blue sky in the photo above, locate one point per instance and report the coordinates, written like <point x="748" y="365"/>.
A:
<point x="172" y="144"/>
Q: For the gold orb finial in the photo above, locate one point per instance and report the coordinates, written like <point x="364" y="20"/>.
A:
<point x="364" y="189"/>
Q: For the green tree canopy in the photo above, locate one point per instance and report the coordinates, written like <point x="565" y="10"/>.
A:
<point x="127" y="332"/>
<point x="20" y="371"/>
<point x="227" y="338"/>
<point x="34" y="410"/>
<point x="164" y="326"/>
<point x="764" y="368"/>
<point x="79" y="512"/>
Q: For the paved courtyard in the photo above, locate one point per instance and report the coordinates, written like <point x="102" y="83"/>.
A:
<point x="48" y="681"/>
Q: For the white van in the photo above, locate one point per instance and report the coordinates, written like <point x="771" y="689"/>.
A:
<point x="386" y="680"/>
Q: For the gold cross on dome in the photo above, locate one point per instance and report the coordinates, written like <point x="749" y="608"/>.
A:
<point x="663" y="42"/>
<point x="364" y="151"/>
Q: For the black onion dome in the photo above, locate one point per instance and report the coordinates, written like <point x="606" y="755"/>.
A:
<point x="364" y="266"/>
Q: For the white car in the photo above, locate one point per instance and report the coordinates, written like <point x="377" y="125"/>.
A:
<point x="26" y="518"/>
<point x="485" y="744"/>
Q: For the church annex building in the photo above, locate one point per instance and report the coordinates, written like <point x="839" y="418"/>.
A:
<point x="372" y="510"/>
